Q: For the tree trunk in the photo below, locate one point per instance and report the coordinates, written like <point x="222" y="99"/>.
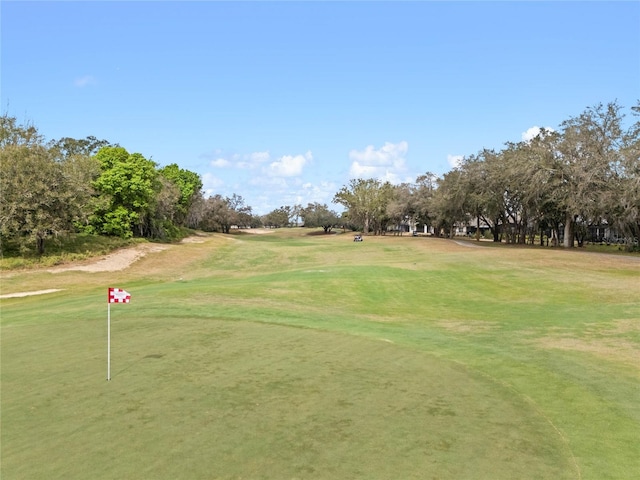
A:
<point x="496" y="232"/>
<point x="568" y="231"/>
<point x="40" y="244"/>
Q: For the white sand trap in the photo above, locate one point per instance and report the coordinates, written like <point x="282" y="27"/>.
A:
<point x="27" y="294"/>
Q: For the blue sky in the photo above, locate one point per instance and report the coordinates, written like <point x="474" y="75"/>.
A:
<point x="284" y="102"/>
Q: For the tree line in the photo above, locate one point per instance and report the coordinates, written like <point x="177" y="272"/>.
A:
<point x="559" y="184"/>
<point x="573" y="185"/>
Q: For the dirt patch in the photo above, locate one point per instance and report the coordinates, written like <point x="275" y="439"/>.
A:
<point x="257" y="231"/>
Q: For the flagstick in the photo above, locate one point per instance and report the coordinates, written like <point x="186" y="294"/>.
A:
<point x="109" y="341"/>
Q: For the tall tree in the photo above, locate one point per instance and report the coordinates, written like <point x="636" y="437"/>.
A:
<point x="449" y="202"/>
<point x="424" y="189"/>
<point x="624" y="199"/>
<point x="366" y="203"/>
<point x="129" y="183"/>
<point x="590" y="151"/>
<point x="483" y="178"/>
<point x="37" y="199"/>
<point x="402" y="207"/>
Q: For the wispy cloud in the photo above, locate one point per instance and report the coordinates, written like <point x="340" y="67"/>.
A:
<point x="386" y="163"/>
<point x="247" y="161"/>
<point x="85" y="81"/>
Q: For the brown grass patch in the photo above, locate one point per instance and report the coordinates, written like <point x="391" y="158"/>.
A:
<point x="458" y="326"/>
<point x="607" y="341"/>
<point x="617" y="350"/>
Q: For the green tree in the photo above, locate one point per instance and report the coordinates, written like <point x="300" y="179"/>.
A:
<point x="129" y="184"/>
<point x="162" y="221"/>
<point x="189" y="185"/>
<point x="366" y="203"/>
<point x="38" y="195"/>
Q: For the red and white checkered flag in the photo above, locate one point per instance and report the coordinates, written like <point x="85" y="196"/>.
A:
<point x="117" y="295"/>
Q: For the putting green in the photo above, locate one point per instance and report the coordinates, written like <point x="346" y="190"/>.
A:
<point x="225" y="399"/>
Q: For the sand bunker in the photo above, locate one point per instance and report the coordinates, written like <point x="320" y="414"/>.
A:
<point x="27" y="294"/>
<point x="115" y="261"/>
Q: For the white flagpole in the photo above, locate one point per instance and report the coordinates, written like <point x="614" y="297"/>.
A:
<point x="109" y="340"/>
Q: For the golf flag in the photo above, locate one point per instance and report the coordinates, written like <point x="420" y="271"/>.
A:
<point x="117" y="295"/>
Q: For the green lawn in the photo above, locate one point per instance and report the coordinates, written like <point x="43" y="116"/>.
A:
<point x="295" y="356"/>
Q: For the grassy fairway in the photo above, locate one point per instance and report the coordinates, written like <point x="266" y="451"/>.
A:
<point x="287" y="355"/>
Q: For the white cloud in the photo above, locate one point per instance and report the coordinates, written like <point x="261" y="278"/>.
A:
<point x="85" y="81"/>
<point x="455" y="161"/>
<point x="385" y="163"/>
<point x="220" y="163"/>
<point x="289" y="166"/>
<point x="533" y="132"/>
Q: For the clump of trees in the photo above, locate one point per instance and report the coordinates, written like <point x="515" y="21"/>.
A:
<point x="219" y="214"/>
<point x="319" y="215"/>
